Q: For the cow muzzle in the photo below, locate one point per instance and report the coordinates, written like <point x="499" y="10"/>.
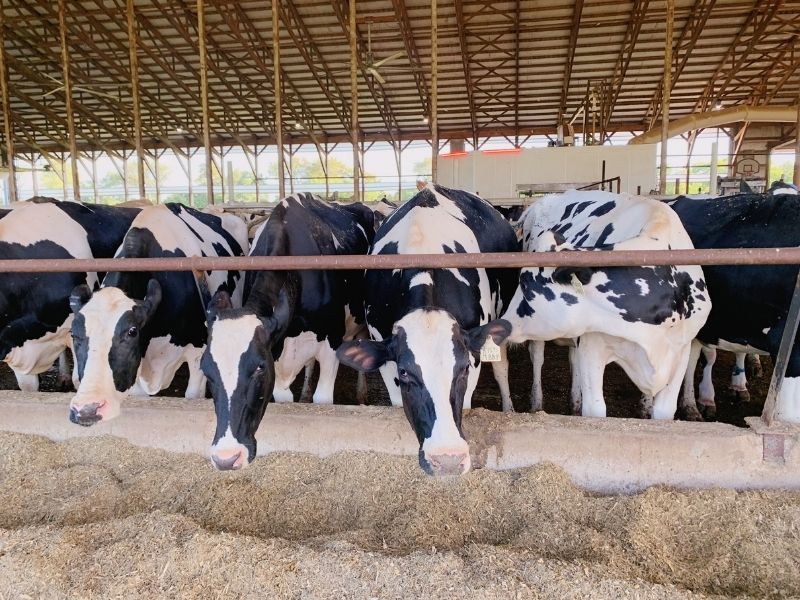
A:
<point x="445" y="464"/>
<point x="229" y="459"/>
<point x="87" y="414"/>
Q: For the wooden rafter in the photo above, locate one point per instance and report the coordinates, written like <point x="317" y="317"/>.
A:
<point x="577" y="11"/>
<point x="462" y="40"/>
<point x="625" y="55"/>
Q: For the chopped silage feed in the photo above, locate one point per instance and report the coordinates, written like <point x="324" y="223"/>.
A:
<point x="98" y="517"/>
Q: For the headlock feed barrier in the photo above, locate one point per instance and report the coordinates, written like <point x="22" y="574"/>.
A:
<point x="597" y="454"/>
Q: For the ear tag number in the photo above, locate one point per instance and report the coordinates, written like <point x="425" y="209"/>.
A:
<point x="576" y="283"/>
<point x="490" y="352"/>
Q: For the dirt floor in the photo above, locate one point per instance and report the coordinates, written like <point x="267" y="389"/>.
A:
<point x="622" y="397"/>
<point x="100" y="518"/>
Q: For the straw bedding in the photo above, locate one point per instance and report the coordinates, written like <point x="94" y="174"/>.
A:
<point x="98" y="517"/>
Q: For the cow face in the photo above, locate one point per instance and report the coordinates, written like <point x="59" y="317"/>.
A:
<point x="239" y="366"/>
<point x="108" y="345"/>
<point x="437" y="366"/>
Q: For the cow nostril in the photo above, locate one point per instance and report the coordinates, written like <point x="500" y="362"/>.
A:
<point x="86" y="415"/>
<point x="228" y="463"/>
<point x="448" y="464"/>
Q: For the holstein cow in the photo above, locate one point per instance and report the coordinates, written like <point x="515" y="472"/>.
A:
<point x="429" y="325"/>
<point x="288" y="319"/>
<point x="643" y="318"/>
<point x="35" y="316"/>
<point x="750" y="302"/>
<point x="133" y="334"/>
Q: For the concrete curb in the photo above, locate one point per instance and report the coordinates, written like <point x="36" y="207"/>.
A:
<point x="602" y="455"/>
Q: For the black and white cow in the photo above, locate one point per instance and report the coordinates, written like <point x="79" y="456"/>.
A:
<point x="131" y="336"/>
<point x="750" y="302"/>
<point x="34" y="307"/>
<point x="643" y="318"/>
<point x="429" y="325"/>
<point x="288" y="319"/>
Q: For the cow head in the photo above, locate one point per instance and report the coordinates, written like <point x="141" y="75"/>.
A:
<point x="108" y="344"/>
<point x="437" y="367"/>
<point x="239" y="367"/>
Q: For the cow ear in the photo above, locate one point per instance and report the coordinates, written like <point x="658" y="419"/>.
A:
<point x="219" y="302"/>
<point x="153" y="298"/>
<point x="563" y="275"/>
<point x="79" y="297"/>
<point x="499" y="330"/>
<point x="282" y="314"/>
<point x="365" y="355"/>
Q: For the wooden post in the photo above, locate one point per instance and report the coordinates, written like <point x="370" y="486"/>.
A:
<point x="796" y="174"/>
<point x="434" y="116"/>
<point x="125" y="175"/>
<point x="398" y="155"/>
<point x="354" y="133"/>
<point x="137" y="115"/>
<point x="201" y="34"/>
<point x="73" y="143"/>
<point x="327" y="178"/>
<point x="94" y="177"/>
<point x="189" y="155"/>
<point x="276" y="76"/>
<point x="7" y="127"/>
<point x="665" y="91"/>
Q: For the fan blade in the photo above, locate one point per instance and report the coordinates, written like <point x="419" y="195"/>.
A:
<point x="394" y="56"/>
<point x="377" y="76"/>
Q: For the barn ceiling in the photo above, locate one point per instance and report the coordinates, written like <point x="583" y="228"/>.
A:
<point x="504" y="68"/>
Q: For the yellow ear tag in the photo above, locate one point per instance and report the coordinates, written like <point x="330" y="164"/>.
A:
<point x="576" y="283"/>
<point x="490" y="352"/>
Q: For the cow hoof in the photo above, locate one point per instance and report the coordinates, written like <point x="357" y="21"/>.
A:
<point x="709" y="411"/>
<point x="689" y="413"/>
<point x="741" y="395"/>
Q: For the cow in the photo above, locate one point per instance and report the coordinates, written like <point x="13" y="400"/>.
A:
<point x="132" y="335"/>
<point x="429" y="325"/>
<point x="750" y="302"/>
<point x="643" y="318"/>
<point x="289" y="318"/>
<point x="35" y="315"/>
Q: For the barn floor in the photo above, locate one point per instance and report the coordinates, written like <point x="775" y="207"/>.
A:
<point x="622" y="397"/>
<point x="98" y="517"/>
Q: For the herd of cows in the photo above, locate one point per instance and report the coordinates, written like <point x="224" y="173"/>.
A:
<point x="249" y="335"/>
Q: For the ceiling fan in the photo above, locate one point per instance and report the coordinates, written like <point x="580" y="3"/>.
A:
<point x="374" y="67"/>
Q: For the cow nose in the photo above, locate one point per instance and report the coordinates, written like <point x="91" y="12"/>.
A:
<point x="449" y="464"/>
<point x="227" y="463"/>
<point x="86" y="415"/>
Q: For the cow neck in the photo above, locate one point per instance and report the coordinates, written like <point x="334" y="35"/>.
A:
<point x="265" y="294"/>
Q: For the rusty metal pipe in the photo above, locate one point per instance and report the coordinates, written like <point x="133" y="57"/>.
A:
<point x="626" y="258"/>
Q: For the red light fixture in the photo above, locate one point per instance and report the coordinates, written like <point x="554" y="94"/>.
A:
<point x="513" y="150"/>
<point x="453" y="154"/>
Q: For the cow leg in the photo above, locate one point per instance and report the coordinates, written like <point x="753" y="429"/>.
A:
<point x="389" y="375"/>
<point x="646" y="406"/>
<point x="753" y="366"/>
<point x="788" y="404"/>
<point x="688" y="406"/>
<point x="536" y="351"/>
<point x="591" y="355"/>
<point x="361" y="388"/>
<point x="27" y="382"/>
<point x="500" y="370"/>
<point x="196" y="387"/>
<point x="665" y="402"/>
<point x="64" y="381"/>
<point x="305" y="393"/>
<point x="739" y="379"/>
<point x="328" y="366"/>
<point x="575" y="398"/>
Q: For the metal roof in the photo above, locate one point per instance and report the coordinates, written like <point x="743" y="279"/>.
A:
<point x="504" y="68"/>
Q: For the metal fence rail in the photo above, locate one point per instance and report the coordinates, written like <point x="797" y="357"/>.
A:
<point x="616" y="258"/>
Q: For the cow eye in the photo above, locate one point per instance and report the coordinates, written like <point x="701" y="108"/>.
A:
<point x="133" y="332"/>
<point x="260" y="369"/>
<point x="403" y="374"/>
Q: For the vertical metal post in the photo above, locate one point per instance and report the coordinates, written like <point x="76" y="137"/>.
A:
<point x="7" y="127"/>
<point x="73" y="143"/>
<point x="201" y="44"/>
<point x="137" y="115"/>
<point x="276" y="76"/>
<point x="354" y="135"/>
<point x="796" y="174"/>
<point x="782" y="359"/>
<point x="63" y="176"/>
<point x="189" y="155"/>
<point x="327" y="178"/>
<point x="229" y="173"/>
<point x="398" y="153"/>
<point x="434" y="117"/>
<point x="34" y="177"/>
<point x="94" y="177"/>
<point x="665" y="91"/>
<point x="156" y="155"/>
<point x="255" y="170"/>
<point x="712" y="178"/>
<point x="125" y="175"/>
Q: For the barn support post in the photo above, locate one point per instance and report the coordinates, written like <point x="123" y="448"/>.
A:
<point x="796" y="174"/>
<point x="782" y="358"/>
<point x="125" y="175"/>
<point x="354" y="134"/>
<point x="94" y="177"/>
<point x="34" y="175"/>
<point x="201" y="46"/>
<point x="7" y="126"/>
<point x="137" y="114"/>
<point x="291" y="168"/>
<point x="327" y="178"/>
<point x="361" y="162"/>
<point x="398" y="159"/>
<point x="189" y="155"/>
<point x="434" y="116"/>
<point x="712" y="177"/>
<point x="231" y="188"/>
<point x="692" y="139"/>
<point x="665" y="91"/>
<point x="255" y="169"/>
<point x="276" y="85"/>
<point x="73" y="142"/>
<point x="63" y="165"/>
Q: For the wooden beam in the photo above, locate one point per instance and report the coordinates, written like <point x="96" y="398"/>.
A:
<point x="353" y="31"/>
<point x="407" y="33"/>
<point x="638" y="12"/>
<point x="667" y="87"/>
<point x="577" y="10"/>
<point x="201" y="46"/>
<point x="462" y="40"/>
<point x="73" y="143"/>
<point x="8" y="129"/>
<point x="276" y="86"/>
<point x="137" y="114"/>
